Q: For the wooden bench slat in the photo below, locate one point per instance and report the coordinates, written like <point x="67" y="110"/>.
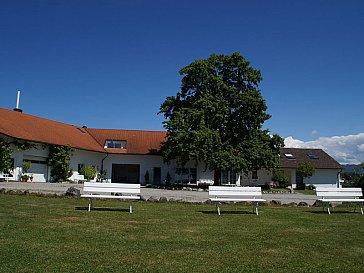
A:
<point x="111" y="196"/>
<point x="341" y="200"/>
<point x="110" y="190"/>
<point x="230" y="193"/>
<point x="238" y="199"/>
<point x="112" y="185"/>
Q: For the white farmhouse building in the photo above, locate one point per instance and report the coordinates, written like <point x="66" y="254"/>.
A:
<point x="127" y="155"/>
<point x="327" y="169"/>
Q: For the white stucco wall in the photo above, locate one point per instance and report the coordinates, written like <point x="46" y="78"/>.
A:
<point x="145" y="162"/>
<point x="323" y="178"/>
<point x="39" y="171"/>
<point x="264" y="177"/>
<point x="85" y="158"/>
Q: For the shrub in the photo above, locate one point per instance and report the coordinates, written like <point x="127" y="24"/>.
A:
<point x="58" y="159"/>
<point x="310" y="187"/>
<point x="26" y="166"/>
<point x="281" y="178"/>
<point x="101" y="176"/>
<point x="89" y="172"/>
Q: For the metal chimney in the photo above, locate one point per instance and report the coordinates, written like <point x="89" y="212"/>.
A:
<point x="17" y="103"/>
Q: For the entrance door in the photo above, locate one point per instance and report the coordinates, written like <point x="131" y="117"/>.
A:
<point x="157" y="175"/>
<point x="125" y="173"/>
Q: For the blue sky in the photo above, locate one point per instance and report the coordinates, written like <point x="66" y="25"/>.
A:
<point x="110" y="64"/>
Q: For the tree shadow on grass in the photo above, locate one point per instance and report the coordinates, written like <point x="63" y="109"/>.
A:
<point x="102" y="209"/>
<point x="225" y="212"/>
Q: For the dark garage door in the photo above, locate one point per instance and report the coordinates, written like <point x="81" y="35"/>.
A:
<point x="125" y="173"/>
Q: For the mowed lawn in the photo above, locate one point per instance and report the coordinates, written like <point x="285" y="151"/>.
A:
<point x="44" y="234"/>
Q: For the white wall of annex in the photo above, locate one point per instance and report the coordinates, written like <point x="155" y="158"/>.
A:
<point x="146" y="163"/>
<point x="323" y="178"/>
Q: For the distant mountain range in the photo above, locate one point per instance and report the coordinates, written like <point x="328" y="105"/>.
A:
<point x="351" y="168"/>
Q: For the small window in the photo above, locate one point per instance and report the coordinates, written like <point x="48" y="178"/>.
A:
<point x="115" y="144"/>
<point x="289" y="156"/>
<point x="255" y="175"/>
<point x="313" y="156"/>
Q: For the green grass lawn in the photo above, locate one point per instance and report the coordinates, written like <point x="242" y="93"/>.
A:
<point x="43" y="234"/>
<point x="308" y="192"/>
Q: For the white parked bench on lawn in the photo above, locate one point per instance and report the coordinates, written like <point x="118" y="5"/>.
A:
<point x="220" y="194"/>
<point x="328" y="195"/>
<point x="106" y="190"/>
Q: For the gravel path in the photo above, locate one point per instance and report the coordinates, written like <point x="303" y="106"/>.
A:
<point x="183" y="195"/>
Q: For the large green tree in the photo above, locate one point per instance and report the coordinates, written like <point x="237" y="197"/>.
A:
<point x="217" y="118"/>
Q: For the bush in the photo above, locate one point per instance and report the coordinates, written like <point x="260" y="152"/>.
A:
<point x="310" y="187"/>
<point x="300" y="185"/>
<point x="58" y="159"/>
<point x="26" y="166"/>
<point x="89" y="172"/>
<point x="281" y="179"/>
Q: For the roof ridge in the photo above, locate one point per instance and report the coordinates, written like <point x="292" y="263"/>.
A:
<point x="129" y="130"/>
<point x="38" y="117"/>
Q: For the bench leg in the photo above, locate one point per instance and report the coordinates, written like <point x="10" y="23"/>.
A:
<point x="218" y="207"/>
<point x="328" y="207"/>
<point x="131" y="206"/>
<point x="256" y="208"/>
<point x="89" y="204"/>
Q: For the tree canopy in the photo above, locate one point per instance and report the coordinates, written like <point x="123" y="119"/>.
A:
<point x="217" y="117"/>
<point x="305" y="170"/>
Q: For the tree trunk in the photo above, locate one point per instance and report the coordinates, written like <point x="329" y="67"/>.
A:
<point x="217" y="177"/>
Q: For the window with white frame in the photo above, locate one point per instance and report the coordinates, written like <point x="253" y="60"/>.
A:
<point x="115" y="144"/>
<point x="228" y="177"/>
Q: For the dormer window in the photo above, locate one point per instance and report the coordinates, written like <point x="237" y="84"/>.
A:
<point x="115" y="144"/>
<point x="313" y="156"/>
<point x="289" y="156"/>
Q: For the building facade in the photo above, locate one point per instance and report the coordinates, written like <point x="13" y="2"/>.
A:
<point x="132" y="156"/>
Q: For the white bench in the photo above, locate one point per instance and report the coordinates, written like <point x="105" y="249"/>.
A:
<point x="4" y="177"/>
<point x="78" y="178"/>
<point x="108" y="190"/>
<point x="328" y="195"/>
<point x="220" y="194"/>
<point x="202" y="182"/>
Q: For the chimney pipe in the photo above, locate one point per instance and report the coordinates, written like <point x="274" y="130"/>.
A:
<point x="17" y="103"/>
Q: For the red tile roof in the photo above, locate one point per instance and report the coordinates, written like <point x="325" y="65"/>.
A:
<point x="32" y="128"/>
<point x="137" y="142"/>
<point x="24" y="126"/>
